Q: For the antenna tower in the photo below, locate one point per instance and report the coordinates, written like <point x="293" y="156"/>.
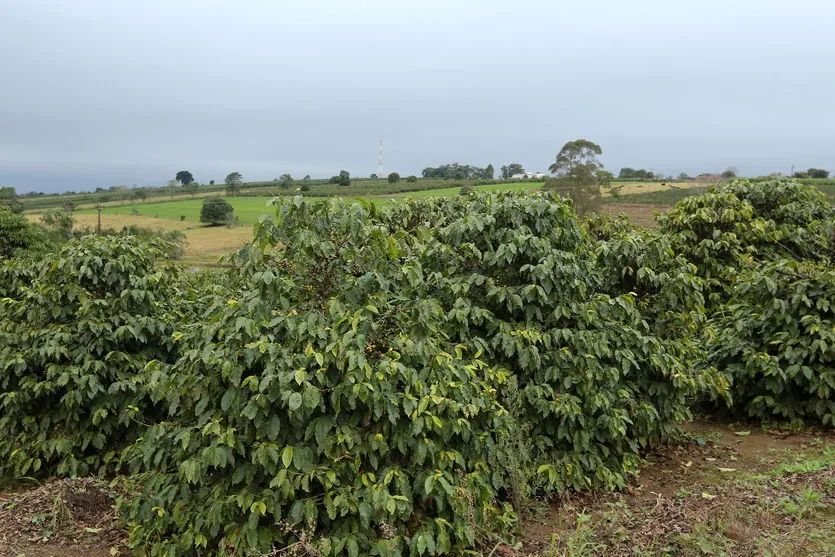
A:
<point x="380" y="160"/>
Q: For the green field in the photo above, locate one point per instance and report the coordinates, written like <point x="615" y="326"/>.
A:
<point x="249" y="209"/>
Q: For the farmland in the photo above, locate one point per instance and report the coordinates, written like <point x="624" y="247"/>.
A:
<point x="447" y="375"/>
<point x="204" y="244"/>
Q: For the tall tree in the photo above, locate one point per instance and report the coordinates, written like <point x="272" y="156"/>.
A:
<point x="512" y="169"/>
<point x="233" y="183"/>
<point x="578" y="175"/>
<point x="818" y="173"/>
<point x="489" y="172"/>
<point x="184" y="177"/>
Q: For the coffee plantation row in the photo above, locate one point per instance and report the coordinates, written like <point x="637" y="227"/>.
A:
<point x="399" y="381"/>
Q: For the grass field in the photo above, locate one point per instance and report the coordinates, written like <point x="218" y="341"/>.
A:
<point x="205" y="244"/>
<point x="249" y="209"/>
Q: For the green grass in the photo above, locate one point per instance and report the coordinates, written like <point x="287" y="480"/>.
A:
<point x="249" y="209"/>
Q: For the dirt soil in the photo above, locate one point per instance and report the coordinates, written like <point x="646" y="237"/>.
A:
<point x="640" y="215"/>
<point x="63" y="518"/>
<point x="733" y="489"/>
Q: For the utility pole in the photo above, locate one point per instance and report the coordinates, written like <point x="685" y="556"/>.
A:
<point x="98" y="228"/>
<point x="792" y="174"/>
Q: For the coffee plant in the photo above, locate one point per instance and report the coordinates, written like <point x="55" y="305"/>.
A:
<point x="322" y="407"/>
<point x="386" y="382"/>
<point x="738" y="225"/>
<point x="74" y="341"/>
<point x="520" y="281"/>
<point x="776" y="343"/>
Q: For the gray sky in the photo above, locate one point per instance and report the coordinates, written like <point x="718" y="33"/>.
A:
<point x="98" y="93"/>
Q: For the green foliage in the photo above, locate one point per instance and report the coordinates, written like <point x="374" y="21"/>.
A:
<point x="216" y="211"/>
<point x="59" y="224"/>
<point x="365" y="388"/>
<point x="73" y="345"/>
<point x="412" y="179"/>
<point x="456" y="171"/>
<point x="8" y="198"/>
<point x="765" y="250"/>
<point x="184" y="177"/>
<point x="627" y="173"/>
<point x="579" y="175"/>
<point x="286" y="181"/>
<point x="172" y="242"/>
<point x="20" y="238"/>
<point x="776" y="342"/>
<point x="393" y="178"/>
<point x="511" y="170"/>
<point x="324" y="395"/>
<point x="818" y="173"/>
<point x="736" y="225"/>
<point x="233" y="182"/>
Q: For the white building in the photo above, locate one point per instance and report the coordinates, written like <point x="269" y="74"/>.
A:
<point x="537" y="175"/>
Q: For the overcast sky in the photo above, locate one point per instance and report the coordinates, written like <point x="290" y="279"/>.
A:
<point x="98" y="93"/>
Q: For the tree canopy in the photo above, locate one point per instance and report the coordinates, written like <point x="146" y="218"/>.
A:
<point x="216" y="211"/>
<point x="512" y="169"/>
<point x="579" y="174"/>
<point x="184" y="177"/>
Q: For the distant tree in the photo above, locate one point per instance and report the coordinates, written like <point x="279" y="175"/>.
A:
<point x="19" y="237"/>
<point x="627" y="173"/>
<point x="578" y="175"/>
<point x="818" y="173"/>
<point x="184" y="177"/>
<point x="139" y="194"/>
<point x="344" y="178"/>
<point x="801" y="174"/>
<point x="412" y="179"/>
<point x="373" y="176"/>
<point x="683" y="176"/>
<point x="604" y="177"/>
<point x="233" y="183"/>
<point x="489" y="172"/>
<point x="305" y="187"/>
<point x="729" y="173"/>
<point x="393" y="178"/>
<point x="211" y="182"/>
<point x="191" y="188"/>
<point x="512" y="169"/>
<point x="454" y="171"/>
<point x="285" y="181"/>
<point x="306" y="177"/>
<point x="216" y="211"/>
